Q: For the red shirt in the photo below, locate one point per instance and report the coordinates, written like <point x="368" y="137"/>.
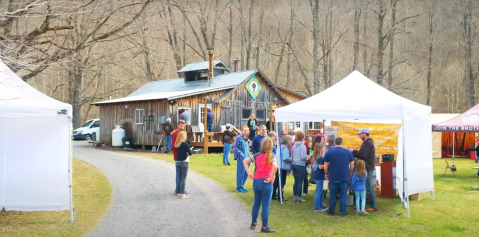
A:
<point x="174" y="135"/>
<point x="263" y="169"/>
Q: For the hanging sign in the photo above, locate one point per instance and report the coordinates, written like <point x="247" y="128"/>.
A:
<point x="253" y="86"/>
<point x="385" y="136"/>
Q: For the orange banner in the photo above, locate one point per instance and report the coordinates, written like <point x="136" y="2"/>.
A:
<point x="385" y="136"/>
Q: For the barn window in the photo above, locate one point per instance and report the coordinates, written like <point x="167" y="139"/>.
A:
<point x="315" y="125"/>
<point x="246" y="113"/>
<point x="260" y="115"/>
<point x="139" y="113"/>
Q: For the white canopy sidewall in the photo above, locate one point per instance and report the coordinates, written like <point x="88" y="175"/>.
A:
<point x="36" y="157"/>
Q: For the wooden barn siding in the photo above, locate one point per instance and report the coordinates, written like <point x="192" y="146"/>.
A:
<point x="293" y="98"/>
<point x="231" y="107"/>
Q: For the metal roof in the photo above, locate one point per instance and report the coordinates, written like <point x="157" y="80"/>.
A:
<point x="203" y="65"/>
<point x="179" y="84"/>
<point x="177" y="88"/>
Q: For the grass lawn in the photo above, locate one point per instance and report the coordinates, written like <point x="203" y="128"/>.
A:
<point x="91" y="201"/>
<point x="453" y="213"/>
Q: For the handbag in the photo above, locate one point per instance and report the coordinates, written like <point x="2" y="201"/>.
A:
<point x="326" y="184"/>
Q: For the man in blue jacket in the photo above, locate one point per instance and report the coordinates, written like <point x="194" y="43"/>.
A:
<point x="258" y="139"/>
<point x="209" y="120"/>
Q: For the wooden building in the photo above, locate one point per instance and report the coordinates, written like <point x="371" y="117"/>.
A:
<point x="232" y="96"/>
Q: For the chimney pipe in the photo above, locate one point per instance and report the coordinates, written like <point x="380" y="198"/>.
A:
<point x="235" y="65"/>
<point x="210" y="68"/>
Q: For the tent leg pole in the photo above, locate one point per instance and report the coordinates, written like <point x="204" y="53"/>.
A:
<point x="278" y="159"/>
<point x="433" y="195"/>
<point x="453" y="145"/>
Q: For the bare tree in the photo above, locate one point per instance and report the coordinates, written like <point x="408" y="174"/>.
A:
<point x="357" y="18"/>
<point x="380" y="15"/>
<point x="316" y="77"/>
<point x="431" y="14"/>
<point x="469" y="34"/>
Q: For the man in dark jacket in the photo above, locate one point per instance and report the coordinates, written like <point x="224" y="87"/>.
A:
<point x="366" y="153"/>
<point x="209" y="120"/>
<point x="168" y="128"/>
<point x="270" y="124"/>
<point x="228" y="136"/>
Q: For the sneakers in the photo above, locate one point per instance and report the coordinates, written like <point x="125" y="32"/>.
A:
<point x="228" y="164"/>
<point x="244" y="190"/>
<point x="298" y="199"/>
<point x="184" y="196"/>
<point x="305" y="194"/>
<point x="364" y="213"/>
<point x="240" y="190"/>
<point x="321" y="209"/>
<point x="371" y="209"/>
<point x="344" y="214"/>
<point x="267" y="230"/>
<point x="253" y="226"/>
<point x="357" y="212"/>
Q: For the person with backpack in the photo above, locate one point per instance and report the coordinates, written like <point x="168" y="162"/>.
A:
<point x="263" y="180"/>
<point x="241" y="152"/>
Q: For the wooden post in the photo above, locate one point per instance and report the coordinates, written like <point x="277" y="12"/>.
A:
<point x="205" y="137"/>
<point x="270" y="116"/>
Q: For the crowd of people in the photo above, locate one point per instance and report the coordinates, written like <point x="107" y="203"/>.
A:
<point x="333" y="168"/>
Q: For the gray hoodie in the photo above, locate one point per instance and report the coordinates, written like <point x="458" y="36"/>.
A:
<point x="299" y="154"/>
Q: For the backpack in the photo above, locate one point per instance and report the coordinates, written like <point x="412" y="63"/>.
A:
<point x="237" y="147"/>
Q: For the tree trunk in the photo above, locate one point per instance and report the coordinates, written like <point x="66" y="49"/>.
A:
<point x="357" y="18"/>
<point x="260" y="36"/>
<point x="280" y="62"/>
<point x="290" y="40"/>
<point x="230" y="31"/>
<point x="316" y="76"/>
<point x="75" y="88"/>
<point x="380" y="53"/>
<point x="250" y="40"/>
<point x="429" y="61"/>
<point x="391" y="42"/>
<point x="468" y="70"/>
<point x="366" y="67"/>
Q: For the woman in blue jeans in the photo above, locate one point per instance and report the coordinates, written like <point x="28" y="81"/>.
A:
<point x="300" y="158"/>
<point x="317" y="161"/>
<point x="263" y="179"/>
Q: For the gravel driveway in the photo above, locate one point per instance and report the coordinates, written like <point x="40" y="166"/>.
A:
<point x="143" y="203"/>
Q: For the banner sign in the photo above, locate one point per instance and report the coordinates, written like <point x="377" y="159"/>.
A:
<point x="385" y="136"/>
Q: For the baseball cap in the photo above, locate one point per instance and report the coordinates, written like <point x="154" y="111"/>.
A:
<point x="228" y="125"/>
<point x="363" y="130"/>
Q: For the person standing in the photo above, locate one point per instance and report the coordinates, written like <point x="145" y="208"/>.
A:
<point x="306" y="178"/>
<point x="263" y="179"/>
<point x="255" y="145"/>
<point x="366" y="153"/>
<point x="184" y="116"/>
<point x="358" y="185"/>
<point x="338" y="166"/>
<point x="270" y="124"/>
<point x="318" y="175"/>
<point x="300" y="158"/>
<point x="227" y="139"/>
<point x="174" y="137"/>
<point x="286" y="143"/>
<point x="252" y="126"/>
<point x="241" y="149"/>
<point x="167" y="130"/>
<point x="209" y="120"/>
<point x="182" y="163"/>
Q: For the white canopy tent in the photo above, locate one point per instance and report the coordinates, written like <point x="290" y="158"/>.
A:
<point x="358" y="99"/>
<point x="35" y="149"/>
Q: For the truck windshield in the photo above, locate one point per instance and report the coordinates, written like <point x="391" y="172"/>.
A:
<point x="87" y="124"/>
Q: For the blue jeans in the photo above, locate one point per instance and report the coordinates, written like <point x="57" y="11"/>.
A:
<point x="360" y="195"/>
<point x="176" y="179"/>
<point x="319" y="195"/>
<point x="209" y="127"/>
<point x="299" y="172"/>
<point x="262" y="197"/>
<point x="342" y="188"/>
<point x="241" y="175"/>
<point x="371" y="188"/>
<point x="226" y="153"/>
<point x="182" y="168"/>
<point x="168" y="142"/>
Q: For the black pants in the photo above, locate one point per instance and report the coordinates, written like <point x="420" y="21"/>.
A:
<point x="182" y="169"/>
<point x="284" y="173"/>
<point x="305" y="181"/>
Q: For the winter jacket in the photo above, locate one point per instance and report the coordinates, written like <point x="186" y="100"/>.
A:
<point x="366" y="153"/>
<point x="358" y="183"/>
<point x="241" y="148"/>
<point x="209" y="117"/>
<point x="287" y="159"/>
<point x="168" y="128"/>
<point x="300" y="156"/>
<point x="228" y="136"/>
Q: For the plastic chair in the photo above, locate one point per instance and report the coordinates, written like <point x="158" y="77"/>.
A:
<point x="450" y="167"/>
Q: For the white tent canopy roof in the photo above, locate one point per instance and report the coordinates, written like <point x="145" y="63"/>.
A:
<point x="18" y="98"/>
<point x="355" y="97"/>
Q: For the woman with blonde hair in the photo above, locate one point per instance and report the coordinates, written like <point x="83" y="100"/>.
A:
<point x="252" y="126"/>
<point x="263" y="179"/>
<point x="182" y="162"/>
